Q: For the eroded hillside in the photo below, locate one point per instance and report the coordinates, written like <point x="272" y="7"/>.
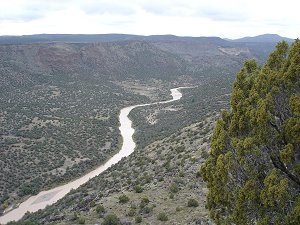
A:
<point x="160" y="179"/>
<point x="60" y="102"/>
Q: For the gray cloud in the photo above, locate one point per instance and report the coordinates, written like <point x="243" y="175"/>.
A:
<point x="29" y="10"/>
<point x="215" y="12"/>
<point x="216" y="17"/>
<point x="25" y="16"/>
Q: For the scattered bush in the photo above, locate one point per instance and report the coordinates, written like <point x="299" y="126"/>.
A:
<point x="138" y="219"/>
<point x="174" y="188"/>
<point x="81" y="220"/>
<point x="100" y="209"/>
<point x="145" y="200"/>
<point x="131" y="212"/>
<point x="75" y="216"/>
<point x="181" y="174"/>
<point x="111" y="219"/>
<point x="138" y="189"/>
<point x="178" y="208"/>
<point x="146" y="210"/>
<point x="198" y="173"/>
<point x="123" y="199"/>
<point x="193" y="202"/>
<point x="162" y="217"/>
<point x="92" y="204"/>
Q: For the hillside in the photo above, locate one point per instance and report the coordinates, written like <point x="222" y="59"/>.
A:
<point x="36" y="64"/>
<point x="60" y="102"/>
<point x="93" y="38"/>
<point x="264" y="38"/>
<point x="159" y="179"/>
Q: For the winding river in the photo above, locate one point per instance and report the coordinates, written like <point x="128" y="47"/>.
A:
<point x="44" y="198"/>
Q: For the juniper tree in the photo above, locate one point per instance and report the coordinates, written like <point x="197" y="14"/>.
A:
<point x="253" y="169"/>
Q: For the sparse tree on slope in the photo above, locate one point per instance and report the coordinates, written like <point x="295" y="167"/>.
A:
<point x="253" y="171"/>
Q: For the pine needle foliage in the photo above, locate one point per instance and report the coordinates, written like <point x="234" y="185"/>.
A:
<point x="253" y="169"/>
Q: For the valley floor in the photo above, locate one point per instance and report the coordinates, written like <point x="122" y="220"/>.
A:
<point x="156" y="184"/>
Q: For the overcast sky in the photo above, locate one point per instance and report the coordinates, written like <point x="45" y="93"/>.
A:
<point x="223" y="18"/>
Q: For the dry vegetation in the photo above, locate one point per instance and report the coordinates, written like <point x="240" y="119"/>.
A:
<point x="160" y="178"/>
<point x="60" y="103"/>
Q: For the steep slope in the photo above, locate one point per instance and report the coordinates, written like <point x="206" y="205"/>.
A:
<point x="33" y="64"/>
<point x="60" y="105"/>
<point x="160" y="179"/>
<point x="60" y="102"/>
<point x="158" y="121"/>
<point x="92" y="38"/>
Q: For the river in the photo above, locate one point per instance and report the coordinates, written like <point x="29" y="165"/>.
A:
<point x="44" y="198"/>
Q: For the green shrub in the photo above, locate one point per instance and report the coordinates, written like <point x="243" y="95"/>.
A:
<point x="133" y="206"/>
<point x="92" y="204"/>
<point x="193" y="202"/>
<point x="146" y="210"/>
<point x="100" y="209"/>
<point x="181" y="174"/>
<point x="174" y="188"/>
<point x="138" y="219"/>
<point x="160" y="179"/>
<point x="144" y="202"/>
<point x="138" y="189"/>
<point x="81" y="220"/>
<point x="75" y="216"/>
<point x="131" y="212"/>
<point x="171" y="196"/>
<point x="123" y="199"/>
<point x="111" y="219"/>
<point x="178" y="208"/>
<point x="162" y="216"/>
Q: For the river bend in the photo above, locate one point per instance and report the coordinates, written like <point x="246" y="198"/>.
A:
<point x="44" y="198"/>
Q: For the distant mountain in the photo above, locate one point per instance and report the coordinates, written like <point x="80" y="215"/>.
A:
<point x="89" y="38"/>
<point x="263" y="38"/>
